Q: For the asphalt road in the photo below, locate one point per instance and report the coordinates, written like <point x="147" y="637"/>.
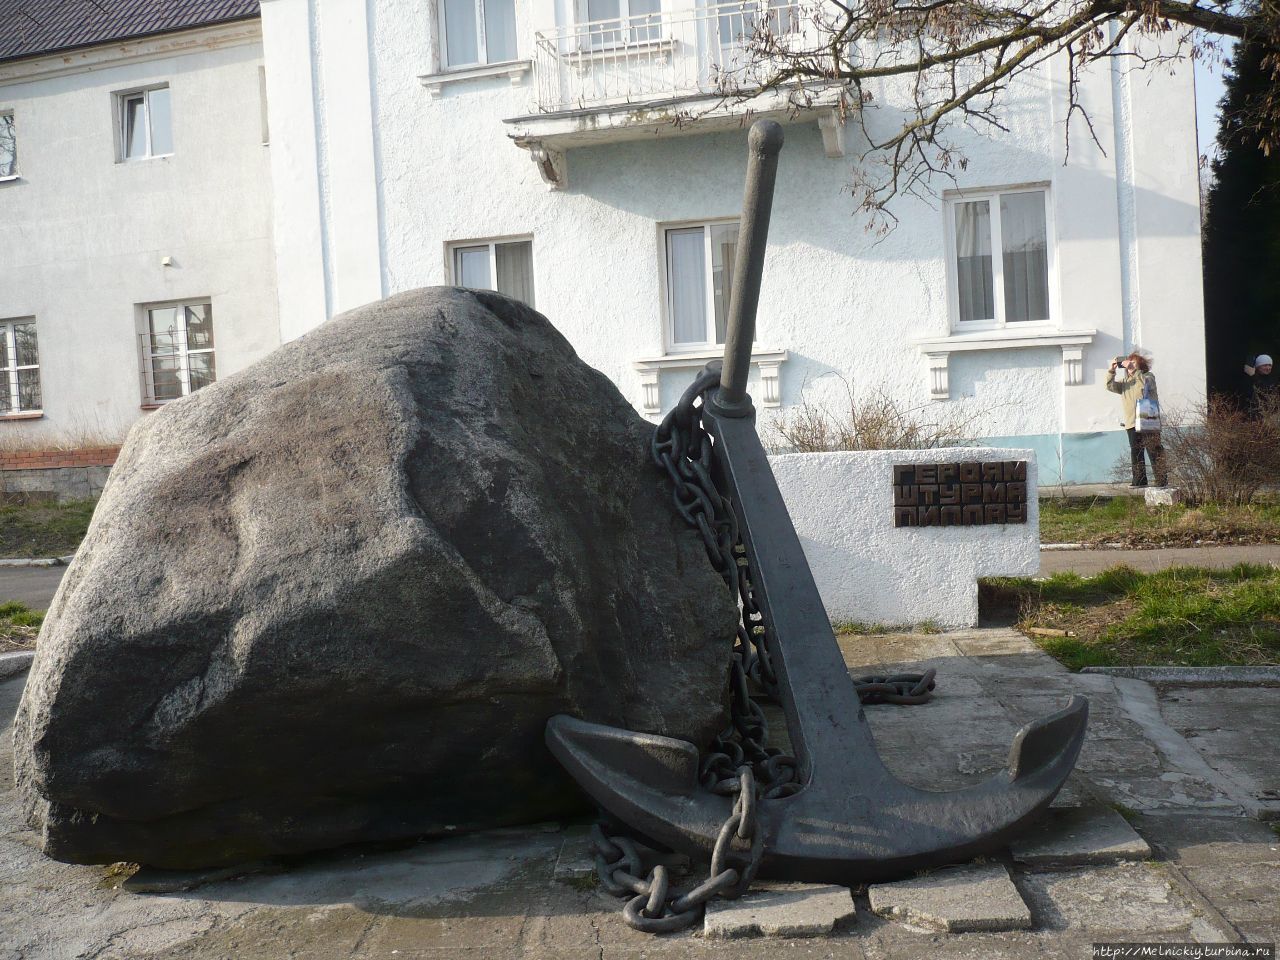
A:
<point x="33" y="586"/>
<point x="1088" y="562"/>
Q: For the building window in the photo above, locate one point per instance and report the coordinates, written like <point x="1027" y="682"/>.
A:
<point x="478" y="31"/>
<point x="145" y="123"/>
<point x="698" y="297"/>
<point x="21" y="368"/>
<point x="502" y="265"/>
<point x="177" y="351"/>
<point x="615" y="22"/>
<point x="739" y="23"/>
<point x="8" y="146"/>
<point x="989" y="290"/>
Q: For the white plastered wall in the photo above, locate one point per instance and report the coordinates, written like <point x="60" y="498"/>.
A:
<point x="846" y="304"/>
<point x="869" y="571"/>
<point x="82" y="236"/>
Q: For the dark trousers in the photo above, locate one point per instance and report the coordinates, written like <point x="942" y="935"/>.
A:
<point x="1150" y="442"/>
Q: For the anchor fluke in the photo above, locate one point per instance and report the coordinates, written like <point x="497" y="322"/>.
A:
<point x="1044" y="743"/>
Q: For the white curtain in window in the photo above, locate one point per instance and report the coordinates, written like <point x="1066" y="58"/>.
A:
<point x="515" y="270"/>
<point x="499" y="30"/>
<point x="724" y="248"/>
<point x="688" y="285"/>
<point x="973" y="260"/>
<point x="1024" y="236"/>
<point x="462" y="44"/>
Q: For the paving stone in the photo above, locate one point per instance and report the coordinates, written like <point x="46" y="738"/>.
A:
<point x="1123" y="900"/>
<point x="1171" y="790"/>
<point x="1069" y="837"/>
<point x="577" y="860"/>
<point x="782" y="910"/>
<point x="1242" y="892"/>
<point x="953" y="900"/>
<point x="1203" y="840"/>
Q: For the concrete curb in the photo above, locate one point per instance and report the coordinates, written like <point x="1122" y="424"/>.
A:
<point x="1063" y="546"/>
<point x="1196" y="676"/>
<point x="12" y="664"/>
<point x="37" y="561"/>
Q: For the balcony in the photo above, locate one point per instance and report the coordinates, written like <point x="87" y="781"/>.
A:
<point x="667" y="73"/>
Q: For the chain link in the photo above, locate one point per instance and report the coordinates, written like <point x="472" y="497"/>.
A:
<point x="739" y="762"/>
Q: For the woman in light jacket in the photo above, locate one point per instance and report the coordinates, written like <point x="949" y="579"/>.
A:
<point x="1138" y="379"/>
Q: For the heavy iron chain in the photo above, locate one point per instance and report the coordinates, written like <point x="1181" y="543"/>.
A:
<point x="739" y="762"/>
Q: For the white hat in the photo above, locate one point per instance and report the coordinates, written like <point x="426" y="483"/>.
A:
<point x="1262" y="361"/>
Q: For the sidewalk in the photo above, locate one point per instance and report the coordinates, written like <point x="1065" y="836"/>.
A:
<point x="1185" y="765"/>
<point x="1088" y="562"/>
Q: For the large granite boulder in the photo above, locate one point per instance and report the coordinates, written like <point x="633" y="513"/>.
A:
<point x="335" y="598"/>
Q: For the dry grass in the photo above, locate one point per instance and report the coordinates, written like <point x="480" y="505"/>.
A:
<point x="19" y="626"/>
<point x="43" y="529"/>
<point x="1128" y="521"/>
<point x="874" y="422"/>
<point x="74" y="436"/>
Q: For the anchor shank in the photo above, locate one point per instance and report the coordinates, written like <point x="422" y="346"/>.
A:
<point x="765" y="142"/>
<point x="821" y="703"/>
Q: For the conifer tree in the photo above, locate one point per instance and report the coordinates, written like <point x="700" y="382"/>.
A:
<point x="1242" y="233"/>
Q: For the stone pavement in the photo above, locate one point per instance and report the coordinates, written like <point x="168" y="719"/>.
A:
<point x="1089" y="562"/>
<point x="1187" y="767"/>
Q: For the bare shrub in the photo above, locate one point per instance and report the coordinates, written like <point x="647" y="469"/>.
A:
<point x="1220" y="453"/>
<point x="876" y="422"/>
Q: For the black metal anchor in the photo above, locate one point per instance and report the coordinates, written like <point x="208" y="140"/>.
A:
<point x="852" y="821"/>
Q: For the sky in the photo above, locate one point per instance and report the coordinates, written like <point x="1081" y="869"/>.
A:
<point x="1209" y="90"/>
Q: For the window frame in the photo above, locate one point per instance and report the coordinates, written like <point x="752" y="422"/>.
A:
<point x="147" y="353"/>
<point x="10" y="367"/>
<point x="452" y="248"/>
<point x="993" y="194"/>
<point x="482" y="39"/>
<point x="668" y="308"/>
<point x="11" y="115"/>
<point x="122" y="99"/>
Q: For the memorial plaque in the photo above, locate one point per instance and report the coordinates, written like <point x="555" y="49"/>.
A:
<point x="967" y="494"/>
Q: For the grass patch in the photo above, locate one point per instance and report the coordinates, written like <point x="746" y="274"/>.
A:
<point x="43" y="529"/>
<point x="19" y="626"/>
<point x="1183" y="616"/>
<point x="863" y="629"/>
<point x="1129" y="521"/>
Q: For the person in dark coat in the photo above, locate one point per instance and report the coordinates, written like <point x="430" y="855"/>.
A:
<point x="1264" y="386"/>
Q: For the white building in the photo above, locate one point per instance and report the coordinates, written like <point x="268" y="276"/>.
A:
<point x="136" y="259"/>
<point x="530" y="145"/>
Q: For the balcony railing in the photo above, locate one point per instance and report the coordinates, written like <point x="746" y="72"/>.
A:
<point x="711" y="50"/>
